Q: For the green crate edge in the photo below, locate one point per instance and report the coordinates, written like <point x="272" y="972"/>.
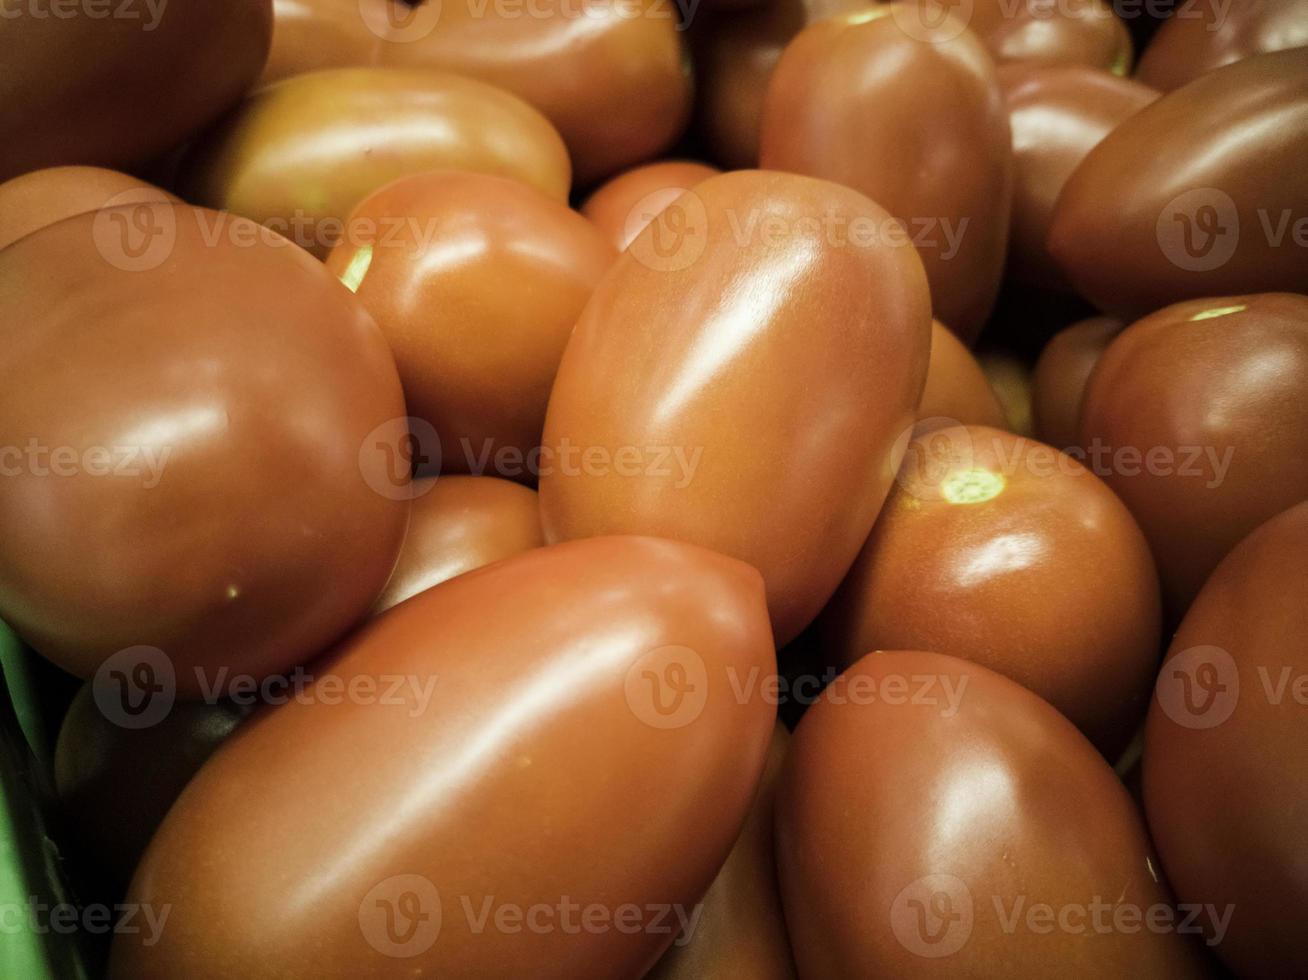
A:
<point x="27" y="856"/>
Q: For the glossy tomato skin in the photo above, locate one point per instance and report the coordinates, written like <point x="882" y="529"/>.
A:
<point x="476" y="281"/>
<point x="957" y="391"/>
<point x="44" y="197"/>
<point x="735" y="55"/>
<point x="115" y="784"/>
<point x="1004" y="551"/>
<point x="310" y="35"/>
<point x="1058" y="115"/>
<point x="1088" y="33"/>
<point x="1207" y="186"/>
<point x="1225" y="773"/>
<point x="741" y="934"/>
<point x="85" y="89"/>
<point x="739" y="379"/>
<point x="611" y="76"/>
<point x="1217" y="390"/>
<point x="456" y="524"/>
<point x="623" y="206"/>
<point x="298" y="156"/>
<point x="199" y="402"/>
<point x="916" y="124"/>
<point x="929" y="807"/>
<point x="1211" y="36"/>
<point x="550" y="727"/>
<point x="1061" y="375"/>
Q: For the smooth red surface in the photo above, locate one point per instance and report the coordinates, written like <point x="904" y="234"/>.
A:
<point x="1217" y="391"/>
<point x="611" y="76"/>
<point x="918" y="124"/>
<point x="741" y="934"/>
<point x="1213" y="35"/>
<point x="957" y="391"/>
<point x="301" y="154"/>
<point x="1199" y="194"/>
<point x="1226" y="749"/>
<point x="207" y="424"/>
<point x="622" y="207"/>
<point x="554" y="763"/>
<point x="83" y="86"/>
<point x="1058" y="115"/>
<point x="917" y="831"/>
<point x="1004" y="551"/>
<point x="43" y="197"/>
<point x="456" y="524"/>
<point x="476" y="281"/>
<point x="1061" y="375"/>
<point x="741" y="379"/>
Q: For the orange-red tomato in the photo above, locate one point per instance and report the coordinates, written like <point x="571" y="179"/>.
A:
<point x="1226" y="750"/>
<point x="476" y="281"/>
<point x="541" y="702"/>
<point x="1199" y="417"/>
<point x="741" y="379"/>
<point x="611" y="75"/>
<point x="117" y="85"/>
<point x="957" y="390"/>
<point x="456" y="524"/>
<point x="43" y="197"/>
<point x="936" y="819"/>
<point x="623" y="206"/>
<point x="299" y="155"/>
<point x="1199" y="194"/>
<point x="1007" y="552"/>
<point x="1211" y="35"/>
<point x="918" y="124"/>
<point x="197" y="414"/>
